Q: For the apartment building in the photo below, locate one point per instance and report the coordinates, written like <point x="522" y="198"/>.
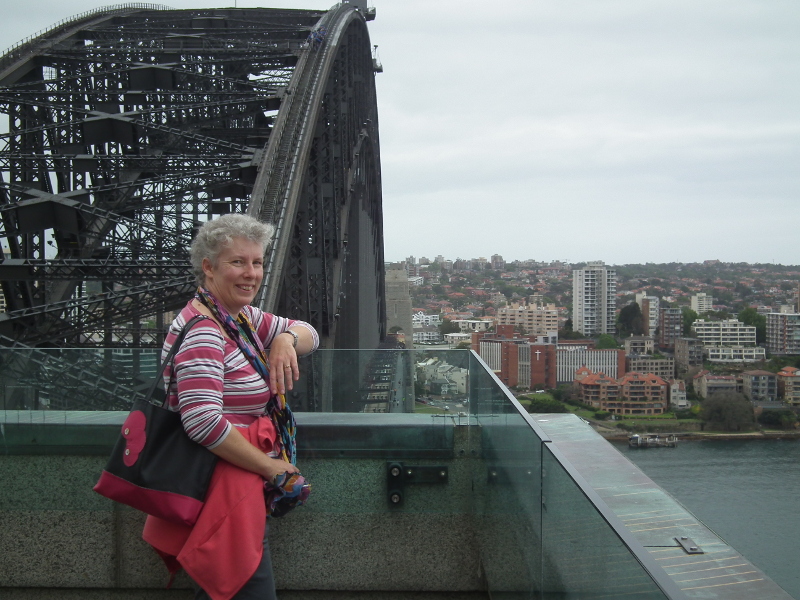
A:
<point x="533" y="319"/>
<point x="420" y="319"/>
<point x="633" y="394"/>
<point x="783" y="333"/>
<point x="663" y="367"/>
<point x="688" y="353"/>
<point x="595" y="389"/>
<point x="594" y="289"/>
<point x="643" y="394"/>
<point x="677" y="394"/>
<point x="760" y="386"/>
<point x="708" y="384"/>
<point x="670" y="327"/>
<point x="650" y="307"/>
<point x="702" y="303"/>
<point x="735" y="354"/>
<point x="470" y="325"/>
<point x="730" y="332"/>
<point x="639" y="344"/>
<point x="789" y="385"/>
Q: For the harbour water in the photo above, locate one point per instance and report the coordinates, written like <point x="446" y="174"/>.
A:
<point x="747" y="492"/>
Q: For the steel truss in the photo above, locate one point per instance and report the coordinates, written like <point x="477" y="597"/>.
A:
<point x="125" y="130"/>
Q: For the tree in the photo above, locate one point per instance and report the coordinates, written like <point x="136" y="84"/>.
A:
<point x="750" y="316"/>
<point x="689" y="317"/>
<point x="728" y="411"/>
<point x="606" y="342"/>
<point x="546" y="405"/>
<point x="630" y="320"/>
<point x="447" y="326"/>
<point x="778" y="419"/>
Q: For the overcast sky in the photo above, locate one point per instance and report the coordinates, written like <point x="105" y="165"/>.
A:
<point x="617" y="130"/>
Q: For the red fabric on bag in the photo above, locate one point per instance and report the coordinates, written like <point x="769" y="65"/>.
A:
<point x="133" y="430"/>
<point x="223" y="549"/>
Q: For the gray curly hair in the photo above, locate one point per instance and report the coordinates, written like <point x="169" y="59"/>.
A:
<point x="214" y="235"/>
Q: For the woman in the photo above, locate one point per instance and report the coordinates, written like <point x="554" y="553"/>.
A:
<point x="225" y="388"/>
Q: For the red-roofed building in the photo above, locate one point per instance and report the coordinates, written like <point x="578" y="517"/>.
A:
<point x="633" y="394"/>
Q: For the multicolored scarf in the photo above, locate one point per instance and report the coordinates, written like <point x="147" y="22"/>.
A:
<point x="242" y="332"/>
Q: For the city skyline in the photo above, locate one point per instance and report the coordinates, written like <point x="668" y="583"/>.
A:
<point x="576" y="129"/>
<point x="565" y="261"/>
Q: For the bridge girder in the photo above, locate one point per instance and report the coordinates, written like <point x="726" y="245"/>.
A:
<point x="128" y="129"/>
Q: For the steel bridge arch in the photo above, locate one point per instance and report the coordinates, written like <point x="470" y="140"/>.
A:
<point x="126" y="128"/>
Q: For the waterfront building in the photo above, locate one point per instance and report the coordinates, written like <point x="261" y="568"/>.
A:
<point x="595" y="389"/>
<point x="729" y="332"/>
<point x="594" y="289"/>
<point x="708" y="384"/>
<point x="688" y="353"/>
<point x="643" y="394"/>
<point x="783" y="333"/>
<point x="789" y="385"/>
<point x="760" y="386"/>
<point x="639" y="344"/>
<point x="702" y="303"/>
<point x="633" y="394"/>
<point x="677" y="394"/>
<point x="670" y="327"/>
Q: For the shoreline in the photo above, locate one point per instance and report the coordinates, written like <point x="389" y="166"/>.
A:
<point x="617" y="436"/>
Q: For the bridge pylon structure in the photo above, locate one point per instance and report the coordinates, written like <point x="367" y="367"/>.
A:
<point x="122" y="130"/>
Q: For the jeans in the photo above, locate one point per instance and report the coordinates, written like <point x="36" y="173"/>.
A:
<point x="261" y="586"/>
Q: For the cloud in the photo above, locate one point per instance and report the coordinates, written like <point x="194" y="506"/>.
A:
<point x="616" y="130"/>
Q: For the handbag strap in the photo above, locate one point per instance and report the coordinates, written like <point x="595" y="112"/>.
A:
<point x="170" y="355"/>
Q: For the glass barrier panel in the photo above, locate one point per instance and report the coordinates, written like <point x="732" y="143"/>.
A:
<point x="582" y="556"/>
<point x="508" y="491"/>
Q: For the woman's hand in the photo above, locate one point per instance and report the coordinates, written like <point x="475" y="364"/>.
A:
<point x="283" y="371"/>
<point x="276" y="466"/>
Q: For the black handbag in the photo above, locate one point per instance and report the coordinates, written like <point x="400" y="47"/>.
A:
<point x="155" y="467"/>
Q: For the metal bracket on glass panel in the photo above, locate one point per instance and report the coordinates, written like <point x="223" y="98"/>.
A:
<point x="398" y="476"/>
<point x="507" y="475"/>
<point x="688" y="545"/>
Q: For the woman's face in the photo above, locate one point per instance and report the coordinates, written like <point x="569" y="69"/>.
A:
<point x="237" y="274"/>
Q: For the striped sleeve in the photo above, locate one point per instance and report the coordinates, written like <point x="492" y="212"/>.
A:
<point x="200" y="367"/>
<point x="269" y="326"/>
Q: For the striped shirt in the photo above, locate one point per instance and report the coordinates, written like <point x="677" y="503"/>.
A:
<point x="216" y="387"/>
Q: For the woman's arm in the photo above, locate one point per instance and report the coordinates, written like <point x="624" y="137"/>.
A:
<point x="238" y="451"/>
<point x="283" y="370"/>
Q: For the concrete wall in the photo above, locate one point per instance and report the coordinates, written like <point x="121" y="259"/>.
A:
<point x="58" y="537"/>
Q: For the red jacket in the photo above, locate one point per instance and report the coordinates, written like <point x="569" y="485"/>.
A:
<point x="223" y="549"/>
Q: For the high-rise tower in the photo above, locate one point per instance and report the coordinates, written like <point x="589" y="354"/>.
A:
<point x="594" y="291"/>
